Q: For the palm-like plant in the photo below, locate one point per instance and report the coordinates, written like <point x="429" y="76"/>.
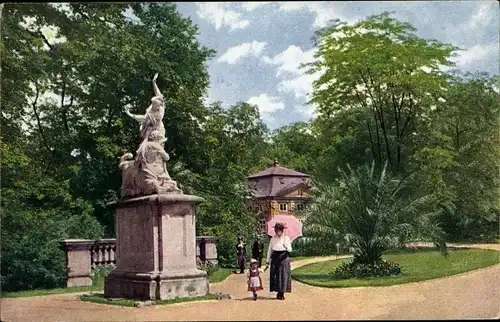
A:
<point x="365" y="210"/>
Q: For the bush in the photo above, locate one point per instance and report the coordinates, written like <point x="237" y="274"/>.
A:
<point x="32" y="257"/>
<point x="357" y="270"/>
<point x="97" y="275"/>
<point x="208" y="267"/>
<point x="314" y="247"/>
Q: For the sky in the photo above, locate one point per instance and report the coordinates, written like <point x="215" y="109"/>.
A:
<point x="260" y="45"/>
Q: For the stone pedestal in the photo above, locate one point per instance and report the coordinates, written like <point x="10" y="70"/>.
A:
<point x="78" y="261"/>
<point x="156" y="249"/>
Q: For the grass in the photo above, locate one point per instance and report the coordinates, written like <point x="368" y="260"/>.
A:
<point x="100" y="299"/>
<point x="98" y="285"/>
<point x="416" y="266"/>
<point x="220" y="275"/>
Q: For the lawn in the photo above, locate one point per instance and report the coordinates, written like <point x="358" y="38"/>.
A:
<point x="218" y="276"/>
<point x="416" y="266"/>
<point x="99" y="298"/>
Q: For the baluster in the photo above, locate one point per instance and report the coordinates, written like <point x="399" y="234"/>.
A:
<point x="114" y="254"/>
<point x="108" y="255"/>
<point x="99" y="255"/>
<point x="92" y="257"/>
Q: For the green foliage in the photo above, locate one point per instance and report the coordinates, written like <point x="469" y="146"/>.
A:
<point x="358" y="270"/>
<point x="208" y="267"/>
<point x="365" y="209"/>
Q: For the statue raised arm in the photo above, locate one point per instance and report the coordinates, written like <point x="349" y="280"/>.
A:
<point x="155" y="87"/>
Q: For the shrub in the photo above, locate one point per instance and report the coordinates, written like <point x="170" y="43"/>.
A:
<point x="358" y="270"/>
<point x="208" y="267"/>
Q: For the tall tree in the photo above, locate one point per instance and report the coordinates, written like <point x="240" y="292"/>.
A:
<point x="379" y="68"/>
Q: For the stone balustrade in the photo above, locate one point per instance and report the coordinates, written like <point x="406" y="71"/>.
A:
<point x="84" y="255"/>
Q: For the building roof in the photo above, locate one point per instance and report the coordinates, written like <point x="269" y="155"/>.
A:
<point x="276" y="181"/>
<point x="277" y="170"/>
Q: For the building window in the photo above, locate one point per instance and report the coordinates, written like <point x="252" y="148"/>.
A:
<point x="299" y="206"/>
<point x="282" y="180"/>
<point x="283" y="207"/>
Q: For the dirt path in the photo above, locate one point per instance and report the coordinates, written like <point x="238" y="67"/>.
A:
<point x="471" y="295"/>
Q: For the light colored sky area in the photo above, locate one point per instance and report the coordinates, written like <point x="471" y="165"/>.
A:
<point x="260" y="45"/>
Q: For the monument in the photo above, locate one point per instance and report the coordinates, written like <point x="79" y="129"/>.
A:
<point x="155" y="222"/>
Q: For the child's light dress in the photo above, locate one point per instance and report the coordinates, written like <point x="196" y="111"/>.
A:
<point x="254" y="280"/>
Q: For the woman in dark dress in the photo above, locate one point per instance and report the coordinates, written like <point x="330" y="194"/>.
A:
<point x="241" y="254"/>
<point x="278" y="255"/>
<point x="258" y="250"/>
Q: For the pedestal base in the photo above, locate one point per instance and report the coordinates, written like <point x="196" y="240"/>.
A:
<point x="156" y="250"/>
<point x="160" y="287"/>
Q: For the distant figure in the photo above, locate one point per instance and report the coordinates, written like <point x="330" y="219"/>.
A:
<point x="203" y="250"/>
<point x="258" y="250"/>
<point x="253" y="278"/>
<point x="241" y="254"/>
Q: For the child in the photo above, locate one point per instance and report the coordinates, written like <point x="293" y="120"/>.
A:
<point x="254" y="280"/>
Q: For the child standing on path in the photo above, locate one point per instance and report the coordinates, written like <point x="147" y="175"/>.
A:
<point x="254" y="280"/>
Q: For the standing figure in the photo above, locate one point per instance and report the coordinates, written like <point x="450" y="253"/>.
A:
<point x="278" y="255"/>
<point x="258" y="250"/>
<point x="241" y="254"/>
<point x="203" y="250"/>
<point x="253" y="278"/>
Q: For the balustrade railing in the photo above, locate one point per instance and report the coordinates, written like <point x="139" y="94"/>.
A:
<point x="103" y="253"/>
<point x="84" y="255"/>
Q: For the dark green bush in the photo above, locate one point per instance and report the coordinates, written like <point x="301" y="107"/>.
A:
<point x="356" y="270"/>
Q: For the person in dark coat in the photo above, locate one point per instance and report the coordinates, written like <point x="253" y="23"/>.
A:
<point x="278" y="255"/>
<point x="203" y="250"/>
<point x="241" y="254"/>
<point x="258" y="250"/>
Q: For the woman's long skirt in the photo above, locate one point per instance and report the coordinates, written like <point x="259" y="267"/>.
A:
<point x="280" y="273"/>
<point x="240" y="262"/>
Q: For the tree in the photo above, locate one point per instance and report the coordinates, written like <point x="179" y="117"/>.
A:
<point x="380" y="70"/>
<point x="294" y="145"/>
<point x="234" y="144"/>
<point x="98" y="61"/>
<point x="465" y="153"/>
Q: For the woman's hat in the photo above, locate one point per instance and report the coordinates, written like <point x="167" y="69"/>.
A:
<point x="253" y="261"/>
<point x="279" y="225"/>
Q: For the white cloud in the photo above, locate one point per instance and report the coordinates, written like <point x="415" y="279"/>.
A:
<point x="481" y="18"/>
<point x="300" y="86"/>
<point x="289" y="60"/>
<point x="217" y="14"/>
<point x="288" y="63"/>
<point x="248" y="49"/>
<point x="467" y="58"/>
<point x="267" y="105"/>
<point x="324" y="11"/>
<point x="251" y="6"/>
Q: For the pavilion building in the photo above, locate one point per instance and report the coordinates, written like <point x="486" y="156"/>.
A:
<point x="278" y="191"/>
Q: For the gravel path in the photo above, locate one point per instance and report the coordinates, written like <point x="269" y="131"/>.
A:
<point x="474" y="294"/>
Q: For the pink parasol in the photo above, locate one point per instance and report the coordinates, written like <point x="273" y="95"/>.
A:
<point x="293" y="227"/>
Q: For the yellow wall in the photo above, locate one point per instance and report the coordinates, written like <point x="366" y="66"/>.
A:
<point x="296" y="194"/>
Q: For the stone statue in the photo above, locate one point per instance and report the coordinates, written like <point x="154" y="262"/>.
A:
<point x="152" y="120"/>
<point x="147" y="174"/>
